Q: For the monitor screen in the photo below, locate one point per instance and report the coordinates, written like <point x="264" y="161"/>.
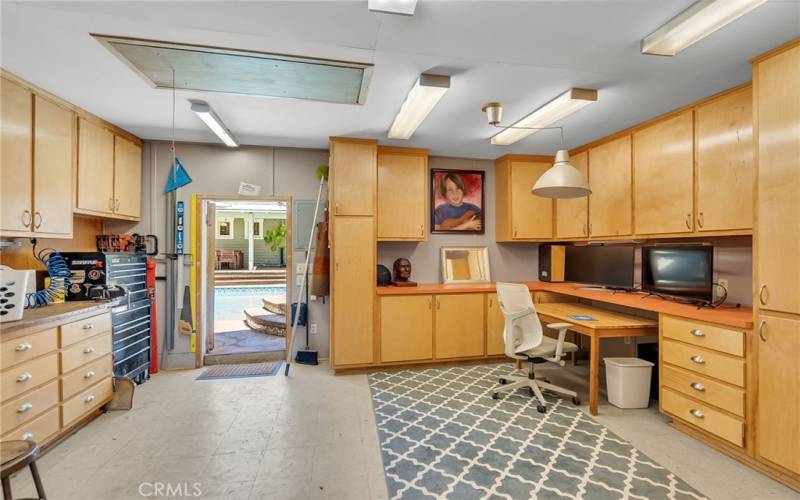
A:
<point x="610" y="266"/>
<point x="678" y="270"/>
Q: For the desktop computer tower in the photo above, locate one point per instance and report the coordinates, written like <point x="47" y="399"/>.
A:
<point x="551" y="262"/>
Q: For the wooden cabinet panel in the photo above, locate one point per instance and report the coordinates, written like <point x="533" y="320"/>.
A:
<point x="406" y="328"/>
<point x="610" y="180"/>
<point x="85" y="402"/>
<point x="53" y="168"/>
<point x="127" y="178"/>
<point x="16" y="171"/>
<point x="353" y="290"/>
<point x="720" y="366"/>
<point x="402" y="195"/>
<point x="777" y="432"/>
<point x="704" y="335"/>
<point x="703" y="416"/>
<point x="85" y="328"/>
<point x="85" y="351"/>
<point x="532" y="216"/>
<point x="353" y="177"/>
<point x="459" y="325"/>
<point x="663" y="162"/>
<point x="725" y="163"/>
<point x="495" y="326"/>
<point x="95" y="168"/>
<point x="83" y="377"/>
<point x="778" y="233"/>
<point x="572" y="215"/>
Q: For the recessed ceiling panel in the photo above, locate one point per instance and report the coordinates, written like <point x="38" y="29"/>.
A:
<point x="242" y="72"/>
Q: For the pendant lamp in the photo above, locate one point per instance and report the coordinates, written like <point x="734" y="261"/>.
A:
<point x="562" y="180"/>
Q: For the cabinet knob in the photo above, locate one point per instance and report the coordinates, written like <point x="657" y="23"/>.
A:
<point x="26" y="218"/>
<point x="422" y="229"/>
<point x="697" y="332"/>
<point x="90" y="398"/>
<point x="700" y="220"/>
<point x="37" y="217"/>
<point x="88" y="326"/>
<point x="429" y="304"/>
<point x="762" y="330"/>
<point x="590" y="230"/>
<point x="28" y="436"/>
<point x="89" y="374"/>
<point x="24" y="377"/>
<point x="89" y="350"/>
<point x="697" y="386"/>
<point x="23" y="347"/>
<point x="763" y="295"/>
<point x="586" y="230"/>
<point x="697" y="413"/>
<point x="336" y="208"/>
<point x="688" y="221"/>
<point x="24" y="407"/>
<point x="698" y="359"/>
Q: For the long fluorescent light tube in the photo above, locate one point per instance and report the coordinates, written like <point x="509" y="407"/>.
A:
<point x="210" y="118"/>
<point x="695" y="23"/>
<point x="402" y="7"/>
<point x="422" y="98"/>
<point x="567" y="103"/>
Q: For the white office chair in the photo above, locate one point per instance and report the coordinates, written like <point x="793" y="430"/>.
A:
<point x="525" y="340"/>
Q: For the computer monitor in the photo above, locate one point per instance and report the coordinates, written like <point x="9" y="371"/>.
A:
<point x="609" y="266"/>
<point x="680" y="270"/>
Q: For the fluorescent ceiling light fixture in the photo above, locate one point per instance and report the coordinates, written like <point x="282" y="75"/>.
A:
<point x="422" y="98"/>
<point x="402" y="7"/>
<point x="210" y="118"/>
<point x="695" y="23"/>
<point x="560" y="107"/>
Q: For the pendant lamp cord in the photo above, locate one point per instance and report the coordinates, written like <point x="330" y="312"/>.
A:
<point x="172" y="146"/>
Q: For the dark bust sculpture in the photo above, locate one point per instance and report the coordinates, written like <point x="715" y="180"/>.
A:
<point x="402" y="273"/>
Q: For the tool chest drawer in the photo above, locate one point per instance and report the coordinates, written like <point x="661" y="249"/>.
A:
<point x="85" y="351"/>
<point x="704" y="335"/>
<point x="26" y="376"/>
<point x="28" y="347"/>
<point x="705" y="362"/>
<point x="85" y="328"/>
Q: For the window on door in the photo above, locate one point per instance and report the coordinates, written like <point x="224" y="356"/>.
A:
<point x="224" y="228"/>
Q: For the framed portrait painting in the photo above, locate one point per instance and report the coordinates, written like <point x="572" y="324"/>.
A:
<point x="457" y="202"/>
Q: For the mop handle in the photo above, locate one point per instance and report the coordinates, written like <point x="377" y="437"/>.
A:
<point x="305" y="274"/>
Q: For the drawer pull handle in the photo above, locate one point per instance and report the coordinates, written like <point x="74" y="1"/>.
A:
<point x="698" y="359"/>
<point x="89" y="374"/>
<point x="24" y="377"/>
<point x="90" y="398"/>
<point x="697" y="332"/>
<point x="88" y="326"/>
<point x="23" y="347"/>
<point x="28" y="436"/>
<point x="89" y="350"/>
<point x="24" y="407"/>
<point x="697" y="386"/>
<point x="697" y="413"/>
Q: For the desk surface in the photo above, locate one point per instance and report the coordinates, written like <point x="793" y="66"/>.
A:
<point x="741" y="317"/>
<point x="603" y="319"/>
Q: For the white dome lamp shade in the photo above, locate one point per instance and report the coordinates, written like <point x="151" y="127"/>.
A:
<point x="562" y="180"/>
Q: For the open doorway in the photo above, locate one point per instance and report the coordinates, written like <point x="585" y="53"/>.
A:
<point x="247" y="254"/>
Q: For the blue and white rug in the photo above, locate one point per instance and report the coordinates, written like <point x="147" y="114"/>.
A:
<point x="443" y="436"/>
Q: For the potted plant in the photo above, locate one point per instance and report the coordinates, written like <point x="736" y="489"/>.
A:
<point x="275" y="238"/>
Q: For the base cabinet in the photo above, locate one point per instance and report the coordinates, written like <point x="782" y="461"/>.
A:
<point x="495" y="326"/>
<point x="459" y="325"/>
<point x="406" y="328"/>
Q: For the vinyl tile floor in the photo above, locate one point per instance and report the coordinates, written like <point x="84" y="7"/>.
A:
<point x="311" y="435"/>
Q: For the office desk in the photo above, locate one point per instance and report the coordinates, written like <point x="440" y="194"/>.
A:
<point x="607" y="324"/>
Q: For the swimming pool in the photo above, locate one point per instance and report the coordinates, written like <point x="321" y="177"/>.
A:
<point x="231" y="301"/>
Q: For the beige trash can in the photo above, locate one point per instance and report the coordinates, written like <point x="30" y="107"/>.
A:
<point x="628" y="382"/>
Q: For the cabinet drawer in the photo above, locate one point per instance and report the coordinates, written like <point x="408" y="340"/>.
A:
<point x="28" y="375"/>
<point x="40" y="429"/>
<point x="83" y="377"/>
<point x="85" y="351"/>
<point x="705" y="362"/>
<point x="85" y="328"/>
<point x="28" y="347"/>
<point x="84" y="402"/>
<point x="704" y="335"/>
<point x="704" y="389"/>
<point x="703" y="416"/>
<point x="25" y="408"/>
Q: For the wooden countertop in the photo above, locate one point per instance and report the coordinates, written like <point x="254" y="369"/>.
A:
<point x="741" y="317"/>
<point x="44" y="317"/>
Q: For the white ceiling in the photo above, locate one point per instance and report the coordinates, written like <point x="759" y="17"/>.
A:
<point x="520" y="53"/>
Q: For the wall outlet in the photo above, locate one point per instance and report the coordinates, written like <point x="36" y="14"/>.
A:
<point x="313" y="329"/>
<point x="723" y="283"/>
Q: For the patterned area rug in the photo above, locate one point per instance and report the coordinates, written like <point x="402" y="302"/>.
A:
<point x="443" y="436"/>
<point x="266" y="369"/>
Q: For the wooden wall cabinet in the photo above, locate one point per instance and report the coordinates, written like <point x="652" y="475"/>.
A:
<point x="355" y="172"/>
<point x="16" y="164"/>
<point x="402" y="194"/>
<point x="95" y="168"/>
<point x="663" y="164"/>
<point x="725" y="173"/>
<point x="127" y="177"/>
<point x="459" y="325"/>
<point x="406" y="328"/>
<point x="572" y="215"/>
<point x="521" y="215"/>
<point x="610" y="179"/>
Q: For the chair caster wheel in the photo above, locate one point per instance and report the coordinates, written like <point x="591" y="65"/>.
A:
<point x="495" y="395"/>
<point x="503" y="381"/>
<point x="541" y="408"/>
<point x="576" y="401"/>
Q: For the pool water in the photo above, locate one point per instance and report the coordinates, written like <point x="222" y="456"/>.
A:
<point x="231" y="301"/>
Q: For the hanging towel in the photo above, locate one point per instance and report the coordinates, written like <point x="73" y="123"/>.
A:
<point x="320" y="282"/>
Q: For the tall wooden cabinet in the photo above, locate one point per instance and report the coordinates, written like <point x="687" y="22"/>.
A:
<point x="520" y="215"/>
<point x="402" y="194"/>
<point x="353" y="172"/>
<point x="16" y="188"/>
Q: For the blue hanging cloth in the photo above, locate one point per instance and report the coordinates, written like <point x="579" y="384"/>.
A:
<point x="178" y="177"/>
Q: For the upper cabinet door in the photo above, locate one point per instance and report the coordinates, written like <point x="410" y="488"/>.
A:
<point x="353" y="177"/>
<point x="127" y="178"/>
<point x="725" y="163"/>
<point x="53" y="168"/>
<point x="663" y="162"/>
<point x="778" y="232"/>
<point x="402" y="195"/>
<point x="572" y="215"/>
<point x="610" y="181"/>
<point x="16" y="179"/>
<point x="531" y="215"/>
<point x="95" y="168"/>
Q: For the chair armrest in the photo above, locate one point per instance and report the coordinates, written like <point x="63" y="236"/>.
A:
<point x="562" y="335"/>
<point x="559" y="326"/>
